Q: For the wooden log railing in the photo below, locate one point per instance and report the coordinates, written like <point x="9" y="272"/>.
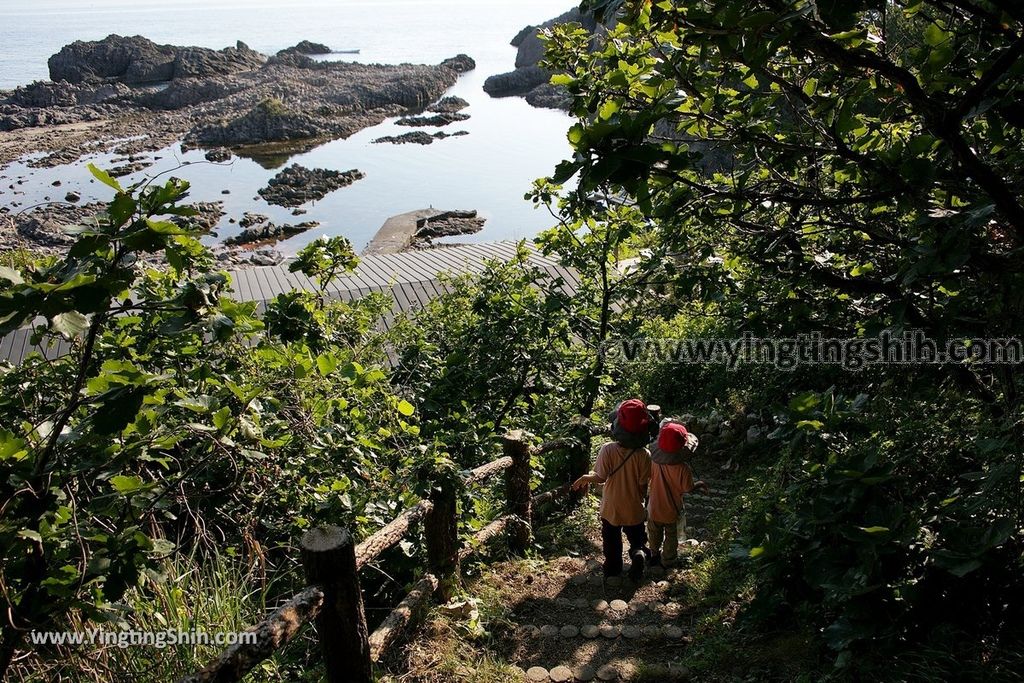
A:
<point x="332" y="561"/>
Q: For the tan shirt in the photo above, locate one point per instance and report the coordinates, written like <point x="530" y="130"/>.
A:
<point x="669" y="483"/>
<point x="622" y="502"/>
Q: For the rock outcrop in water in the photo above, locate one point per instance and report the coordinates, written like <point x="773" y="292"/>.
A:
<point x="446" y="224"/>
<point x="436" y="120"/>
<point x="269" y="233"/>
<point x="136" y="60"/>
<point x="419" y="137"/>
<point x="306" y="47"/>
<point x="206" y="98"/>
<point x="460" y="63"/>
<point x="529" y="79"/>
<point x="297" y="184"/>
<point x="448" y="105"/>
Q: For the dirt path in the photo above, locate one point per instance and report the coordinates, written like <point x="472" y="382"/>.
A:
<point x="559" y="619"/>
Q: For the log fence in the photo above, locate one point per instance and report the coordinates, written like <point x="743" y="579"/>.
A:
<point x="332" y="561"/>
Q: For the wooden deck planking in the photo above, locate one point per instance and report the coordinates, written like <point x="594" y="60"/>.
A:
<point x="240" y="282"/>
<point x="407" y="270"/>
<point x="420" y="293"/>
<point x="6" y="343"/>
<point x="380" y="276"/>
<point x="412" y="279"/>
<point x="434" y="260"/>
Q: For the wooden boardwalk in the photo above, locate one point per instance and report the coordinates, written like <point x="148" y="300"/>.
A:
<point x="412" y="279"/>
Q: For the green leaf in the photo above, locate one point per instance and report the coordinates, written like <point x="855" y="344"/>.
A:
<point x="125" y="484"/>
<point x="608" y="110"/>
<point x="575" y="134"/>
<point x="804" y="402"/>
<point x="326" y="364"/>
<point x="104" y="177"/>
<point x="222" y="418"/>
<point x="406" y="408"/>
<point x="31" y="534"/>
<point x="874" y="529"/>
<point x="755" y="552"/>
<point x="934" y="35"/>
<point x="71" y="324"/>
<point x="562" y="79"/>
<point x="11" y="447"/>
<point x="165" y="227"/>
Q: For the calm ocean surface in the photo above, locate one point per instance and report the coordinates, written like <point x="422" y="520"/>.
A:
<point x="510" y="143"/>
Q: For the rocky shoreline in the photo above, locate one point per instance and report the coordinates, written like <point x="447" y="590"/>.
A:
<point x="418" y="230"/>
<point x="529" y="79"/>
<point x="130" y="95"/>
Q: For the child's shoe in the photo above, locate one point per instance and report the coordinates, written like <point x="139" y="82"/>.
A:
<point x="636" y="570"/>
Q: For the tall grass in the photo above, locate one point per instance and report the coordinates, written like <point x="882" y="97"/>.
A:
<point x="217" y="594"/>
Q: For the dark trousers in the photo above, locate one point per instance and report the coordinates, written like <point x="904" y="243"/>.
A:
<point x="611" y="542"/>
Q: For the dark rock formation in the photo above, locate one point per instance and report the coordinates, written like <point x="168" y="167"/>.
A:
<point x="306" y="47"/>
<point x="129" y="168"/>
<point x="190" y="92"/>
<point x="46" y="225"/>
<point x="268" y="121"/>
<point x="301" y="105"/>
<point x="522" y="35"/>
<point x="446" y="224"/>
<point x="419" y="137"/>
<point x="548" y="96"/>
<point x="529" y="79"/>
<point x="269" y="233"/>
<point x="218" y="155"/>
<point x="207" y="218"/>
<point x="518" y="82"/>
<point x="294" y="59"/>
<point x="297" y="185"/>
<point x="47" y="94"/>
<point x="136" y="60"/>
<point x="448" y="105"/>
<point x="250" y="219"/>
<point x="72" y="197"/>
<point x="460" y="63"/>
<point x="436" y="120"/>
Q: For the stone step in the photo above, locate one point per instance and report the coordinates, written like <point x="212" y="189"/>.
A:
<point x="618" y="608"/>
<point x="672" y="671"/>
<point x="605" y="630"/>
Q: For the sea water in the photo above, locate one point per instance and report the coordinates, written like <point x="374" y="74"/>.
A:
<point x="508" y="146"/>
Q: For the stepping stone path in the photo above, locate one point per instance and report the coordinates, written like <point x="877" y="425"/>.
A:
<point x="577" y="625"/>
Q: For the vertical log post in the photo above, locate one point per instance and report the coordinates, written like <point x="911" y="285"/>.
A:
<point x="579" y="459"/>
<point x="517" y="491"/>
<point x="329" y="561"/>
<point x="441" y="526"/>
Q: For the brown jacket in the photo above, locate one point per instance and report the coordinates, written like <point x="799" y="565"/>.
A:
<point x="622" y="502"/>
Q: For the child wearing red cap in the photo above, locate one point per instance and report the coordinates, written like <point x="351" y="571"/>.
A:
<point x="624" y="467"/>
<point x="671" y="479"/>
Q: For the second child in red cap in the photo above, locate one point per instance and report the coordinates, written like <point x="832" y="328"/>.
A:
<point x="671" y="479"/>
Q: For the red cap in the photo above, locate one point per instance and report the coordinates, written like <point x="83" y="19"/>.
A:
<point x="633" y="416"/>
<point x="672" y="438"/>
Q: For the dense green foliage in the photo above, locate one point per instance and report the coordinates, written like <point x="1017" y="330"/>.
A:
<point x="182" y="421"/>
<point x="841" y="168"/>
<point x="772" y="168"/>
